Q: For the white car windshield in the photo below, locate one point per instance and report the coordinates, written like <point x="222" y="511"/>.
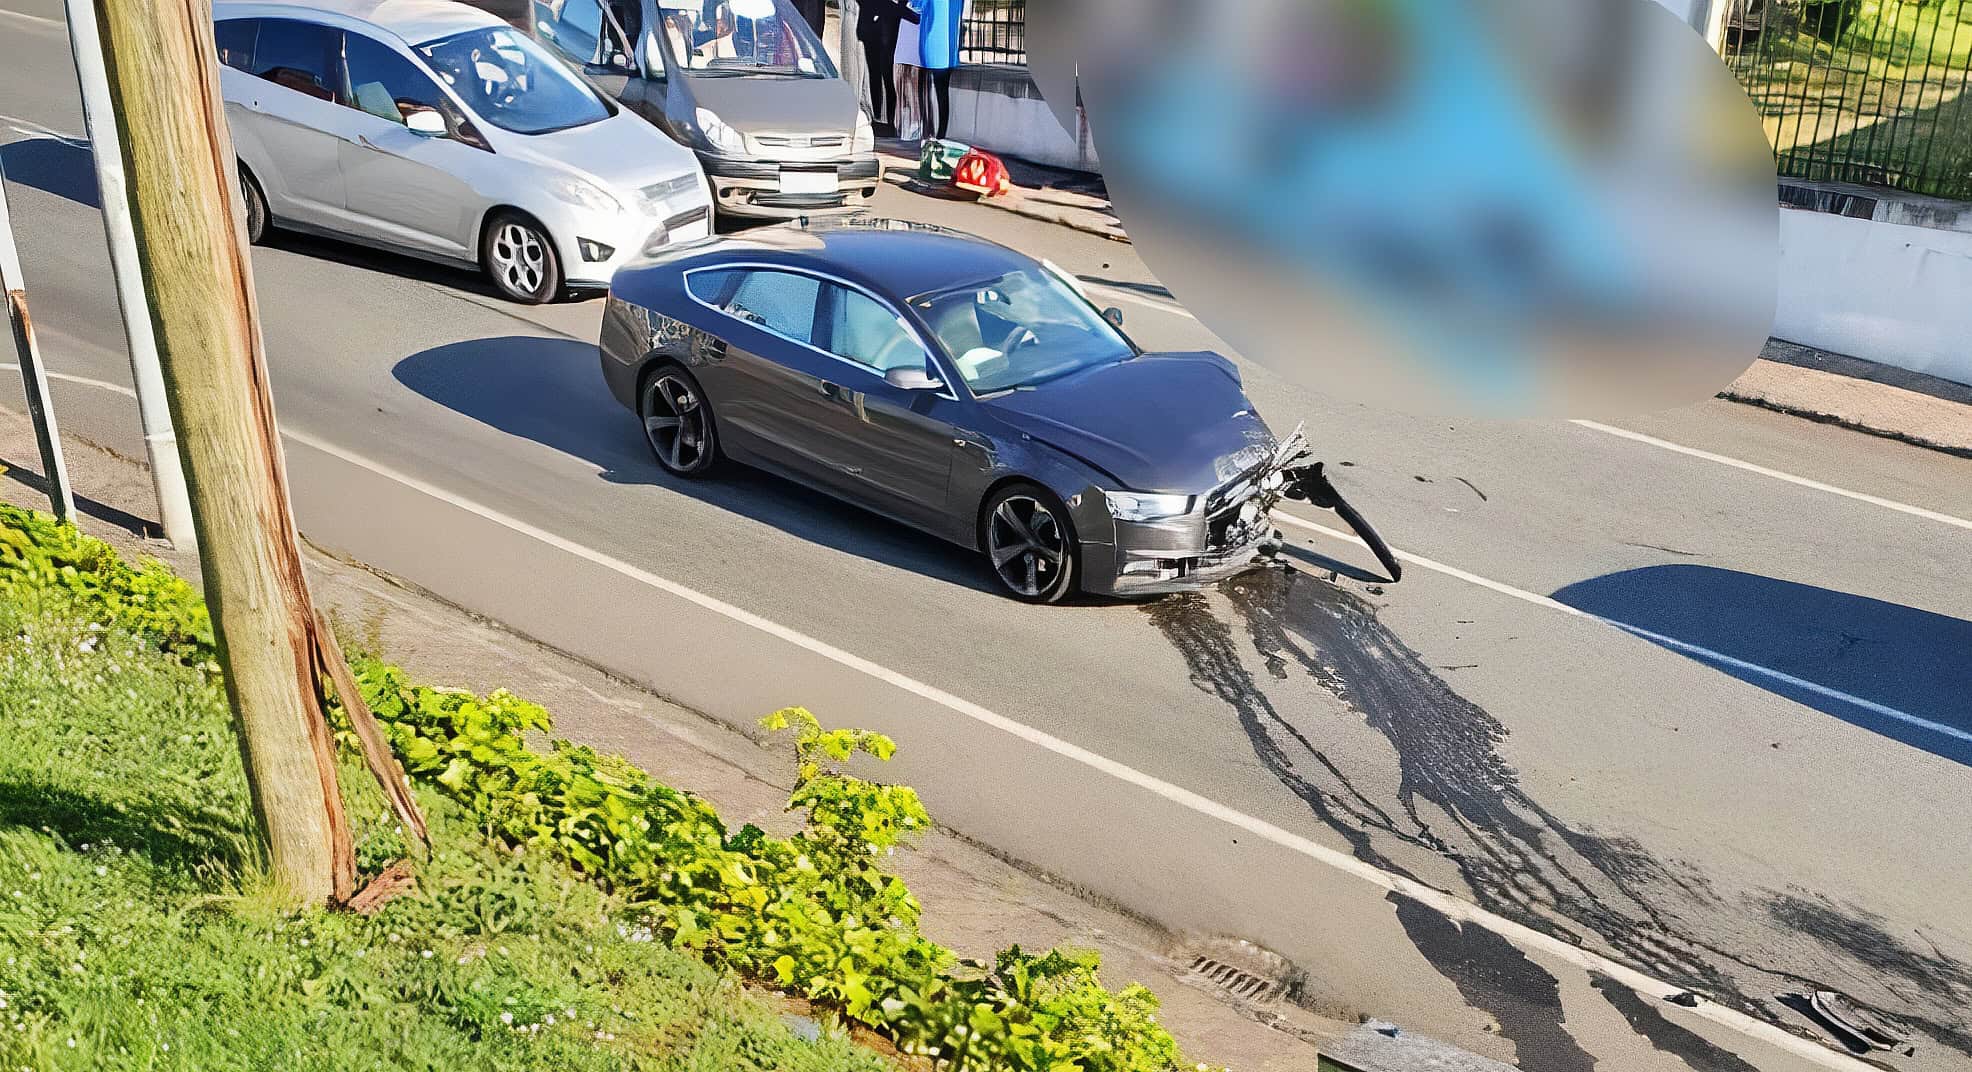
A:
<point x="1024" y="328"/>
<point x="506" y="79"/>
<point x="740" y="37"/>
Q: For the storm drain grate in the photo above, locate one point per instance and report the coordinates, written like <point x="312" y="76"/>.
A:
<point x="1238" y="982"/>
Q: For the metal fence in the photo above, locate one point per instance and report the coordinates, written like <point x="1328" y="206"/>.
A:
<point x="995" y="32"/>
<point x="1870" y="91"/>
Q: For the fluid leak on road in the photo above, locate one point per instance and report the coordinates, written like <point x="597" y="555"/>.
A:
<point x="1457" y="798"/>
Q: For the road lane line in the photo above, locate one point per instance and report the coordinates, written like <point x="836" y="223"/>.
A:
<point x="1438" y="900"/>
<point x="39" y="22"/>
<point x="1695" y="651"/>
<point x="1678" y="448"/>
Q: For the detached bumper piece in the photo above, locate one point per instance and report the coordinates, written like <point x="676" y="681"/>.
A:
<point x="1304" y="481"/>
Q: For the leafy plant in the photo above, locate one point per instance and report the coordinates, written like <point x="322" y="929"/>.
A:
<point x="816" y="913"/>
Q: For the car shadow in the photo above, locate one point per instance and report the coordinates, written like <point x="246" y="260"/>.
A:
<point x="551" y="391"/>
<point x="1887" y="668"/>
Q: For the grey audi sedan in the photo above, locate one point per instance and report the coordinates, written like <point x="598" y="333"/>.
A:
<point x="960" y="387"/>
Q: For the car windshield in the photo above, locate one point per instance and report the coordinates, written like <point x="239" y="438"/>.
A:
<point x="1024" y="328"/>
<point x="742" y="37"/>
<point x="506" y="79"/>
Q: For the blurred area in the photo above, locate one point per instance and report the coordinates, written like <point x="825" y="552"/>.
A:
<point x="1505" y="208"/>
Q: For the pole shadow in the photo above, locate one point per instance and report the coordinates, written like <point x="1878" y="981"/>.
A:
<point x="53" y="165"/>
<point x="551" y="391"/>
<point x="1894" y="670"/>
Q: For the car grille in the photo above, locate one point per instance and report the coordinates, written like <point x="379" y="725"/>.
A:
<point x="800" y="141"/>
<point x="1223" y="528"/>
<point x="670" y="188"/>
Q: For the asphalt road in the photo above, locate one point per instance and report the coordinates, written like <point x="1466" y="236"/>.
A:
<point x="1680" y="710"/>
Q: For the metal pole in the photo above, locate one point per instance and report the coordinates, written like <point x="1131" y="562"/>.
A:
<point x="40" y="408"/>
<point x="105" y="143"/>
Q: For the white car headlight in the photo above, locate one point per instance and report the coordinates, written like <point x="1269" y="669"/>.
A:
<point x="1133" y="506"/>
<point x="865" y="133"/>
<point x="583" y="194"/>
<point x="717" y="134"/>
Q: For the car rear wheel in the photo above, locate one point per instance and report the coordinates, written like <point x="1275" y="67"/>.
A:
<point x="1029" y="544"/>
<point x="256" y="208"/>
<point x="520" y="260"/>
<point x="678" y="422"/>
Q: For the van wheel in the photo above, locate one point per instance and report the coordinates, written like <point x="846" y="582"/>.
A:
<point x="520" y="260"/>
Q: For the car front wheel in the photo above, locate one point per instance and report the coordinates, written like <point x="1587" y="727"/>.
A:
<point x="520" y="260"/>
<point x="1029" y="543"/>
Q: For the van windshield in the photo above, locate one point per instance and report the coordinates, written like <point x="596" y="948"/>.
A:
<point x="508" y="80"/>
<point x="742" y="37"/>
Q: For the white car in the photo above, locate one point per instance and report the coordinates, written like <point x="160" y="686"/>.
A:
<point x="436" y="130"/>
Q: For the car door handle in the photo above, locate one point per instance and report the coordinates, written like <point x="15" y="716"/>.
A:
<point x="831" y="391"/>
<point x="365" y="142"/>
<point x="969" y="440"/>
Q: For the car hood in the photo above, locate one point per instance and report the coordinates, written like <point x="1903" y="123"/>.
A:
<point x="1161" y="422"/>
<point x="756" y="104"/>
<point x="623" y="152"/>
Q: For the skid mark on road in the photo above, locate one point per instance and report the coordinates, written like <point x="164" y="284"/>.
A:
<point x="1458" y="798"/>
<point x="1491" y="974"/>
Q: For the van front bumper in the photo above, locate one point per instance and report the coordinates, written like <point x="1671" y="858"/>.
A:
<point x="761" y="188"/>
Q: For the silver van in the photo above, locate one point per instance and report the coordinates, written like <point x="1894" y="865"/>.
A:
<point x="746" y="84"/>
<point x="436" y="130"/>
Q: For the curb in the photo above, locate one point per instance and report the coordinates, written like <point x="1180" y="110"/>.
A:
<point x="1819" y="417"/>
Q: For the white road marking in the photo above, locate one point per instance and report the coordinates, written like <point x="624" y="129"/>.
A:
<point x="1444" y="903"/>
<point x="39" y="22"/>
<point x="1693" y="650"/>
<point x="1873" y="500"/>
<point x="1637" y="437"/>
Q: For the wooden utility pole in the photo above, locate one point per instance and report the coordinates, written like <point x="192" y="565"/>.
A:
<point x="163" y="75"/>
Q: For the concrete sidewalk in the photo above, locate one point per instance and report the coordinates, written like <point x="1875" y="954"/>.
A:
<point x="974" y="901"/>
<point x="1868" y="397"/>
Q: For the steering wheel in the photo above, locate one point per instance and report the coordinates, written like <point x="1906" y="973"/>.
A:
<point x="1020" y="336"/>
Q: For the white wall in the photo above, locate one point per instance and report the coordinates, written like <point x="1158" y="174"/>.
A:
<point x="1885" y="292"/>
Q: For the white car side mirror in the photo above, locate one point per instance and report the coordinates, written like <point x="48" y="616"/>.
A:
<point x="426" y="121"/>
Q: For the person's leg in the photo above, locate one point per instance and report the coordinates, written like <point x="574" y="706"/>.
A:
<point x="877" y="59"/>
<point x="942" y="80"/>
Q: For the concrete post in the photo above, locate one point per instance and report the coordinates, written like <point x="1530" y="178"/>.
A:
<point x="40" y="407"/>
<point x="106" y="145"/>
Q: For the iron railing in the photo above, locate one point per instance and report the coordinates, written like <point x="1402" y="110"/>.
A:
<point x="1869" y="91"/>
<point x="995" y="31"/>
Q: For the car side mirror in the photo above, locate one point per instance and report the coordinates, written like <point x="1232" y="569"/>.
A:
<point x="913" y="378"/>
<point x="426" y="121"/>
<point x="1114" y="316"/>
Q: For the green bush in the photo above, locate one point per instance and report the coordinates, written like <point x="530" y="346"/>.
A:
<point x="816" y="913"/>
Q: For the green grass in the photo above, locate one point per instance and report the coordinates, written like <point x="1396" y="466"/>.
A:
<point x="135" y="932"/>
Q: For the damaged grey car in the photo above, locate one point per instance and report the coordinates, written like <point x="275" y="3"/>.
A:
<point x="962" y="388"/>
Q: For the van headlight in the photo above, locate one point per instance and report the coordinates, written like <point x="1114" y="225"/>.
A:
<point x="584" y="194"/>
<point x="865" y="133"/>
<point x="717" y="134"/>
<point x="1133" y="506"/>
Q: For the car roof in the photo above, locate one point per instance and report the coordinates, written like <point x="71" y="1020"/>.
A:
<point x="897" y="258"/>
<point x="416" y="21"/>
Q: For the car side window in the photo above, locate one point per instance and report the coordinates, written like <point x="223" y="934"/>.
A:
<point x="572" y="26"/>
<point x="864" y="330"/>
<point x="301" y="56"/>
<point x="235" y="39"/>
<point x="781" y="302"/>
<point x="710" y="287"/>
<point x="389" y="86"/>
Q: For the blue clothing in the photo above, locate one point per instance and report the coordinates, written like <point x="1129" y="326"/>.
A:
<point x="938" y="32"/>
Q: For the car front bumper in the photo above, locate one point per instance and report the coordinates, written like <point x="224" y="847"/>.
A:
<point x="627" y="235"/>
<point x="754" y="187"/>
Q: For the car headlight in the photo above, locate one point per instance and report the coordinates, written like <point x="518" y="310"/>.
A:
<point x="583" y="194"/>
<point x="865" y="133"/>
<point x="1134" y="506"/>
<point x="717" y="134"/>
